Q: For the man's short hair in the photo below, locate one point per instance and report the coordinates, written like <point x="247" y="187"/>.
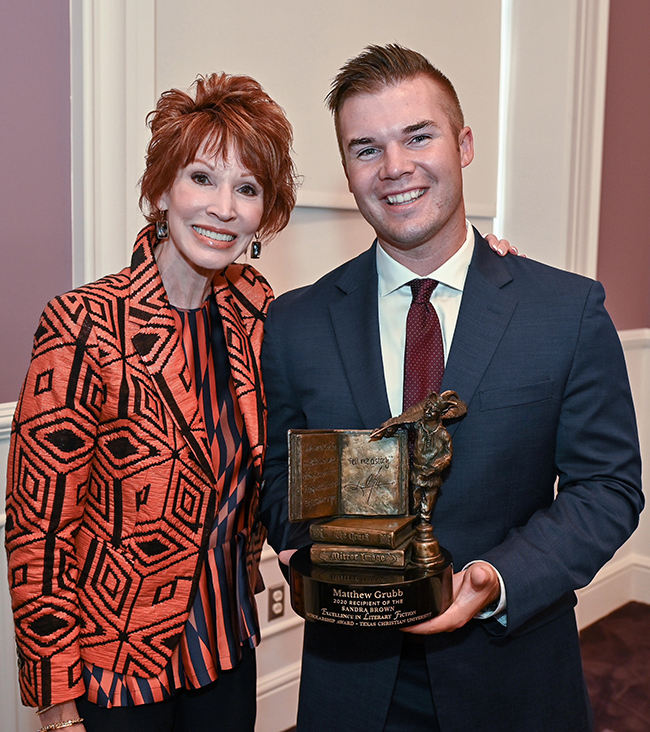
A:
<point x="381" y="66"/>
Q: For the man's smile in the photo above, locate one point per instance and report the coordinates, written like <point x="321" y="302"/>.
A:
<point x="400" y="198"/>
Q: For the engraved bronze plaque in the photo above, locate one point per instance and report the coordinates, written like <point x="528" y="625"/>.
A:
<point x="361" y="556"/>
<point x="342" y="472"/>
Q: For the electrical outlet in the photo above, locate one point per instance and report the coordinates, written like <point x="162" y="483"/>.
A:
<point x="276" y="602"/>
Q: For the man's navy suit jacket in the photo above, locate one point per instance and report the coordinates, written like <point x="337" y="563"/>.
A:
<point x="539" y="364"/>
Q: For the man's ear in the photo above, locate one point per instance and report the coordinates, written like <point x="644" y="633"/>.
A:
<point x="466" y="146"/>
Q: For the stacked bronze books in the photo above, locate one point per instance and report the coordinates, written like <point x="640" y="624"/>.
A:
<point x="363" y="541"/>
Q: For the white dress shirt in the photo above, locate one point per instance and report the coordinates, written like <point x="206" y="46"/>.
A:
<point x="395" y="300"/>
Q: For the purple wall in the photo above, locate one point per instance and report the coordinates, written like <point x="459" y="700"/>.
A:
<point x="35" y="238"/>
<point x="624" y="242"/>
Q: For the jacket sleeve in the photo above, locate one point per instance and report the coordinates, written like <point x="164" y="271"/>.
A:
<point x="599" y="498"/>
<point x="51" y="451"/>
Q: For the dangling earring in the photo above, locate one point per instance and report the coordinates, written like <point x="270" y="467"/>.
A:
<point x="162" y="227"/>
<point x="256" y="248"/>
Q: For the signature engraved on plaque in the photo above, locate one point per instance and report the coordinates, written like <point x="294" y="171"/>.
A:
<point x="372" y="482"/>
<point x="369" y="482"/>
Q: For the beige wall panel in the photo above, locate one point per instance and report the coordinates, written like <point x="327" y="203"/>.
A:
<point x="295" y="47"/>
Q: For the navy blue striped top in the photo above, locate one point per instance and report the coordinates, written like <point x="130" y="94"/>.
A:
<point x="224" y="614"/>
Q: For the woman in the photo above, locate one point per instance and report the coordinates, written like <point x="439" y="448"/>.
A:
<point x="139" y="437"/>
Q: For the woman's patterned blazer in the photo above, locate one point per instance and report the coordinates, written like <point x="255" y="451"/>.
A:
<point x="111" y="492"/>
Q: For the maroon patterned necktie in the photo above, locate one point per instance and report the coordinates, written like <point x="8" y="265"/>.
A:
<point x="424" y="360"/>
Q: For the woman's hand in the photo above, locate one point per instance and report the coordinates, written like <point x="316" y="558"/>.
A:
<point x="501" y="246"/>
<point x="285" y="555"/>
<point x="62" y="713"/>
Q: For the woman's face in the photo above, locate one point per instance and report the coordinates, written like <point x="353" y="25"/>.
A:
<point x="213" y="209"/>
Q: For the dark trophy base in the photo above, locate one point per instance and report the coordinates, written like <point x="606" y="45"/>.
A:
<point x="369" y="598"/>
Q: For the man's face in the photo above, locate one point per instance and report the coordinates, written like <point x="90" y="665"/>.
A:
<point x="403" y="163"/>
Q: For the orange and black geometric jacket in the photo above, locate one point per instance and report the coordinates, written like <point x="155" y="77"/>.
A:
<point x="111" y="493"/>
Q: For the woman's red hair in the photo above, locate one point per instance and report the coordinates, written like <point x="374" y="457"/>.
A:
<point x="227" y="113"/>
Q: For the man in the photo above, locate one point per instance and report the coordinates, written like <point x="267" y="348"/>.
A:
<point x="532" y="352"/>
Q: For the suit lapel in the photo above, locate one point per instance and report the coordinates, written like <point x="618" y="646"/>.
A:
<point x="356" y="326"/>
<point x="485" y="311"/>
<point x="153" y="332"/>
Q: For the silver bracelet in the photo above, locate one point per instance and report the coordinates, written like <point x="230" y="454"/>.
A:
<point x="60" y="725"/>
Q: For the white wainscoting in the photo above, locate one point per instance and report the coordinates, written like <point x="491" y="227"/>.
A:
<point x="626" y="577"/>
<point x="278" y="656"/>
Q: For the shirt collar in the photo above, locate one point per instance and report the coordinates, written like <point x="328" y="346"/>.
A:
<point x="452" y="273"/>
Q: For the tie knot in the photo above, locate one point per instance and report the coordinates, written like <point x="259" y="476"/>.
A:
<point x="422" y="289"/>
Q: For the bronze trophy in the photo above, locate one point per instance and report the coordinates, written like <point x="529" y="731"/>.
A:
<point x="375" y="561"/>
